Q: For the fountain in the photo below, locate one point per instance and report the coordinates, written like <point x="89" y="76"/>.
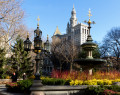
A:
<point x="89" y="62"/>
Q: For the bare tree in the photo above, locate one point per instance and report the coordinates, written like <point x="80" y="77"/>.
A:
<point x="57" y="55"/>
<point x="11" y="16"/>
<point x="111" y="43"/>
<point x="65" y="51"/>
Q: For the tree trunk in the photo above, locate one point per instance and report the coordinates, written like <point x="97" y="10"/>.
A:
<point x="60" y="67"/>
<point x="70" y="67"/>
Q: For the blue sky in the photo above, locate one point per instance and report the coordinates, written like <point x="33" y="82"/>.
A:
<point x="52" y="13"/>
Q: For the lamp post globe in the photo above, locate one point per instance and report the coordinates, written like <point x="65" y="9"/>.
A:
<point x="46" y="45"/>
<point x="37" y="43"/>
<point x="27" y="44"/>
<point x="37" y="32"/>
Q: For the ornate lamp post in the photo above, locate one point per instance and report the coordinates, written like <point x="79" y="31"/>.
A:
<point x="37" y="48"/>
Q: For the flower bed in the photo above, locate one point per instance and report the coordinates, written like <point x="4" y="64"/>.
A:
<point x="94" y="82"/>
<point x="65" y="78"/>
<point x="24" y="85"/>
<point x="55" y="81"/>
<point x="111" y="75"/>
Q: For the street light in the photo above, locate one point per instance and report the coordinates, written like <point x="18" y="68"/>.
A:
<point x="37" y="48"/>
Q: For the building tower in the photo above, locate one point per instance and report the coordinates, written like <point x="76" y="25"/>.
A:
<point x="73" y="19"/>
<point x="75" y="32"/>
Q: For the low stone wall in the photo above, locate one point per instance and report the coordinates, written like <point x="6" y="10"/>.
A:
<point x="59" y="90"/>
<point x="4" y="81"/>
<point x="39" y="89"/>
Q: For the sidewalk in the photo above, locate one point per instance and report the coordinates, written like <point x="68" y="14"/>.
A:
<point x="3" y="91"/>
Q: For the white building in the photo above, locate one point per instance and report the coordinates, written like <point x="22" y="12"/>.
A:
<point x="77" y="32"/>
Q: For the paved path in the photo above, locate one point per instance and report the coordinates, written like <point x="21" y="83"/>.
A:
<point x="4" y="92"/>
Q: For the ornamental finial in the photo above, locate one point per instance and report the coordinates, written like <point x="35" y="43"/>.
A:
<point x="27" y="34"/>
<point x="47" y="37"/>
<point x="89" y="22"/>
<point x="89" y="13"/>
<point x="38" y="19"/>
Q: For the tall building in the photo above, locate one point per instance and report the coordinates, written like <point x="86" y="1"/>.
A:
<point x="76" y="32"/>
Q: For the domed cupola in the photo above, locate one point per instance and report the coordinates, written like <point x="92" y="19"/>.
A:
<point x="37" y="32"/>
<point x="73" y="10"/>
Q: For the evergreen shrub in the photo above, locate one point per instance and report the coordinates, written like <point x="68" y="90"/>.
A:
<point x="24" y="85"/>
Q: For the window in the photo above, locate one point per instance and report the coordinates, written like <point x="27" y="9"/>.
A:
<point x="83" y="30"/>
<point x="69" y="37"/>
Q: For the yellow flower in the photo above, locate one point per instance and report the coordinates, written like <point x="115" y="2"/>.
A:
<point x="72" y="82"/>
<point x="107" y="82"/>
<point x="76" y="82"/>
<point x="117" y="80"/>
<point x="80" y="82"/>
<point x="32" y="77"/>
<point x="100" y="82"/>
<point x="7" y="77"/>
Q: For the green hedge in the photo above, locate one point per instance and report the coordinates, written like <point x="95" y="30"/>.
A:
<point x="53" y="81"/>
<point x="24" y="85"/>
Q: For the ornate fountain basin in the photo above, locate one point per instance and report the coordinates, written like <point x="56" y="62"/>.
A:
<point x="90" y="63"/>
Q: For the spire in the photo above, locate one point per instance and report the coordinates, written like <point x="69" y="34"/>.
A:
<point x="73" y="6"/>
<point x="73" y="10"/>
<point x="57" y="32"/>
<point x="38" y="19"/>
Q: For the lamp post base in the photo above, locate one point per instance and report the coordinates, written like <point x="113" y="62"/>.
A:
<point x="37" y="76"/>
<point x="36" y="84"/>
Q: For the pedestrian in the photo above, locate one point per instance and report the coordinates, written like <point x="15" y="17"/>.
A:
<point x="14" y="77"/>
<point x="24" y="76"/>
